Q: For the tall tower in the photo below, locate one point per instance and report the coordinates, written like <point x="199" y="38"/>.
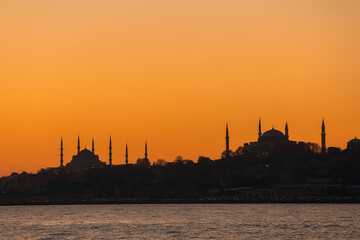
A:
<point x="110" y="153"/>
<point x="61" y="153"/>
<point x="286" y="131"/>
<point x="146" y="153"/>
<point x="323" y="134"/>
<point x="93" y="146"/>
<point x="259" y="129"/>
<point x="78" y="147"/>
<point x="227" y="142"/>
<point x="126" y="155"/>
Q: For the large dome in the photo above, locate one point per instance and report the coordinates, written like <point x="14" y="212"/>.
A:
<point x="272" y="133"/>
<point x="85" y="159"/>
<point x="85" y="152"/>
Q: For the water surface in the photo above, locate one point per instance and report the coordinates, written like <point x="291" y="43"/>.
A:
<point x="181" y="221"/>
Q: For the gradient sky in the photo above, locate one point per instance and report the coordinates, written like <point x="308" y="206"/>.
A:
<point x="173" y="72"/>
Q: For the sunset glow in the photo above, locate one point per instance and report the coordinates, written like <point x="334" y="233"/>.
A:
<point x="173" y="73"/>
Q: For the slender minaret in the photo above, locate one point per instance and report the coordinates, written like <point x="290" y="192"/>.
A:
<point x="227" y="142"/>
<point x="146" y="153"/>
<point x="323" y="143"/>
<point x="110" y="153"/>
<point x="78" y="147"/>
<point x="61" y="153"/>
<point x="259" y="128"/>
<point x="286" y="131"/>
<point x="93" y="146"/>
<point x="126" y="155"/>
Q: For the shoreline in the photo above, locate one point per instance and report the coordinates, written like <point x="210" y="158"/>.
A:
<point x="168" y="201"/>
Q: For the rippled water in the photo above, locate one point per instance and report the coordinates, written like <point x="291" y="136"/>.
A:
<point x="181" y="221"/>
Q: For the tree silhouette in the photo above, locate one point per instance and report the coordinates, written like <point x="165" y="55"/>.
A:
<point x="143" y="162"/>
<point x="160" y="162"/>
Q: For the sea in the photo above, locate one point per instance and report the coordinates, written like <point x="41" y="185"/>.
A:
<point x="181" y="221"/>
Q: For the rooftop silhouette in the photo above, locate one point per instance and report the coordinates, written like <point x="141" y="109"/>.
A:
<point x="274" y="168"/>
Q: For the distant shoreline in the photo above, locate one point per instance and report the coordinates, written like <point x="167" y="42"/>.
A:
<point x="186" y="202"/>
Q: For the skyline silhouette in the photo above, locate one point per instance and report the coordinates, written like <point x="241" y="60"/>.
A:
<point x="133" y="159"/>
<point x="275" y="168"/>
<point x="266" y="142"/>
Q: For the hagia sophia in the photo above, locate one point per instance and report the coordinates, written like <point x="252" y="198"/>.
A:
<point x="86" y="158"/>
<point x="273" y="137"/>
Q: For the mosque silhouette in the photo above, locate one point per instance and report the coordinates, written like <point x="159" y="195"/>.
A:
<point x="266" y="142"/>
<point x="88" y="159"/>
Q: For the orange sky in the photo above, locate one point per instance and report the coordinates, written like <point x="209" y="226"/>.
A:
<point x="172" y="72"/>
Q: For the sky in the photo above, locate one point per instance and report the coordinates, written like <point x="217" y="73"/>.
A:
<point x="172" y="73"/>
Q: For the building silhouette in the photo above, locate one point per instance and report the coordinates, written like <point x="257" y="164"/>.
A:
<point x="273" y="138"/>
<point x="88" y="159"/>
<point x="78" y="147"/>
<point x="144" y="161"/>
<point x="354" y="145"/>
<point x="61" y="153"/>
<point x="227" y="150"/>
<point x="83" y="159"/>
<point x="110" y="152"/>
<point x="323" y="140"/>
<point x="146" y="152"/>
<point x="126" y="155"/>
<point x="268" y="140"/>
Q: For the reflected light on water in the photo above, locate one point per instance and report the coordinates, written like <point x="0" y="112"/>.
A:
<point x="199" y="221"/>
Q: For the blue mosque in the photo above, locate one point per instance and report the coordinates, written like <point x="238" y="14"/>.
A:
<point x="86" y="158"/>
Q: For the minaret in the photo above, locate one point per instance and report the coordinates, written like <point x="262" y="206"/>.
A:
<point x="259" y="128"/>
<point x="126" y="155"/>
<point x="93" y="146"/>
<point x="286" y="131"/>
<point x="78" y="147"/>
<point x="323" y="143"/>
<point x="61" y="153"/>
<point x="227" y="142"/>
<point x="110" y="153"/>
<point x="146" y="153"/>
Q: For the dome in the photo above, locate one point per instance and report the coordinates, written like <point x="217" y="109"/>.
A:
<point x="272" y="133"/>
<point x="354" y="144"/>
<point x="85" y="152"/>
<point x="85" y="159"/>
<point x="354" y="141"/>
